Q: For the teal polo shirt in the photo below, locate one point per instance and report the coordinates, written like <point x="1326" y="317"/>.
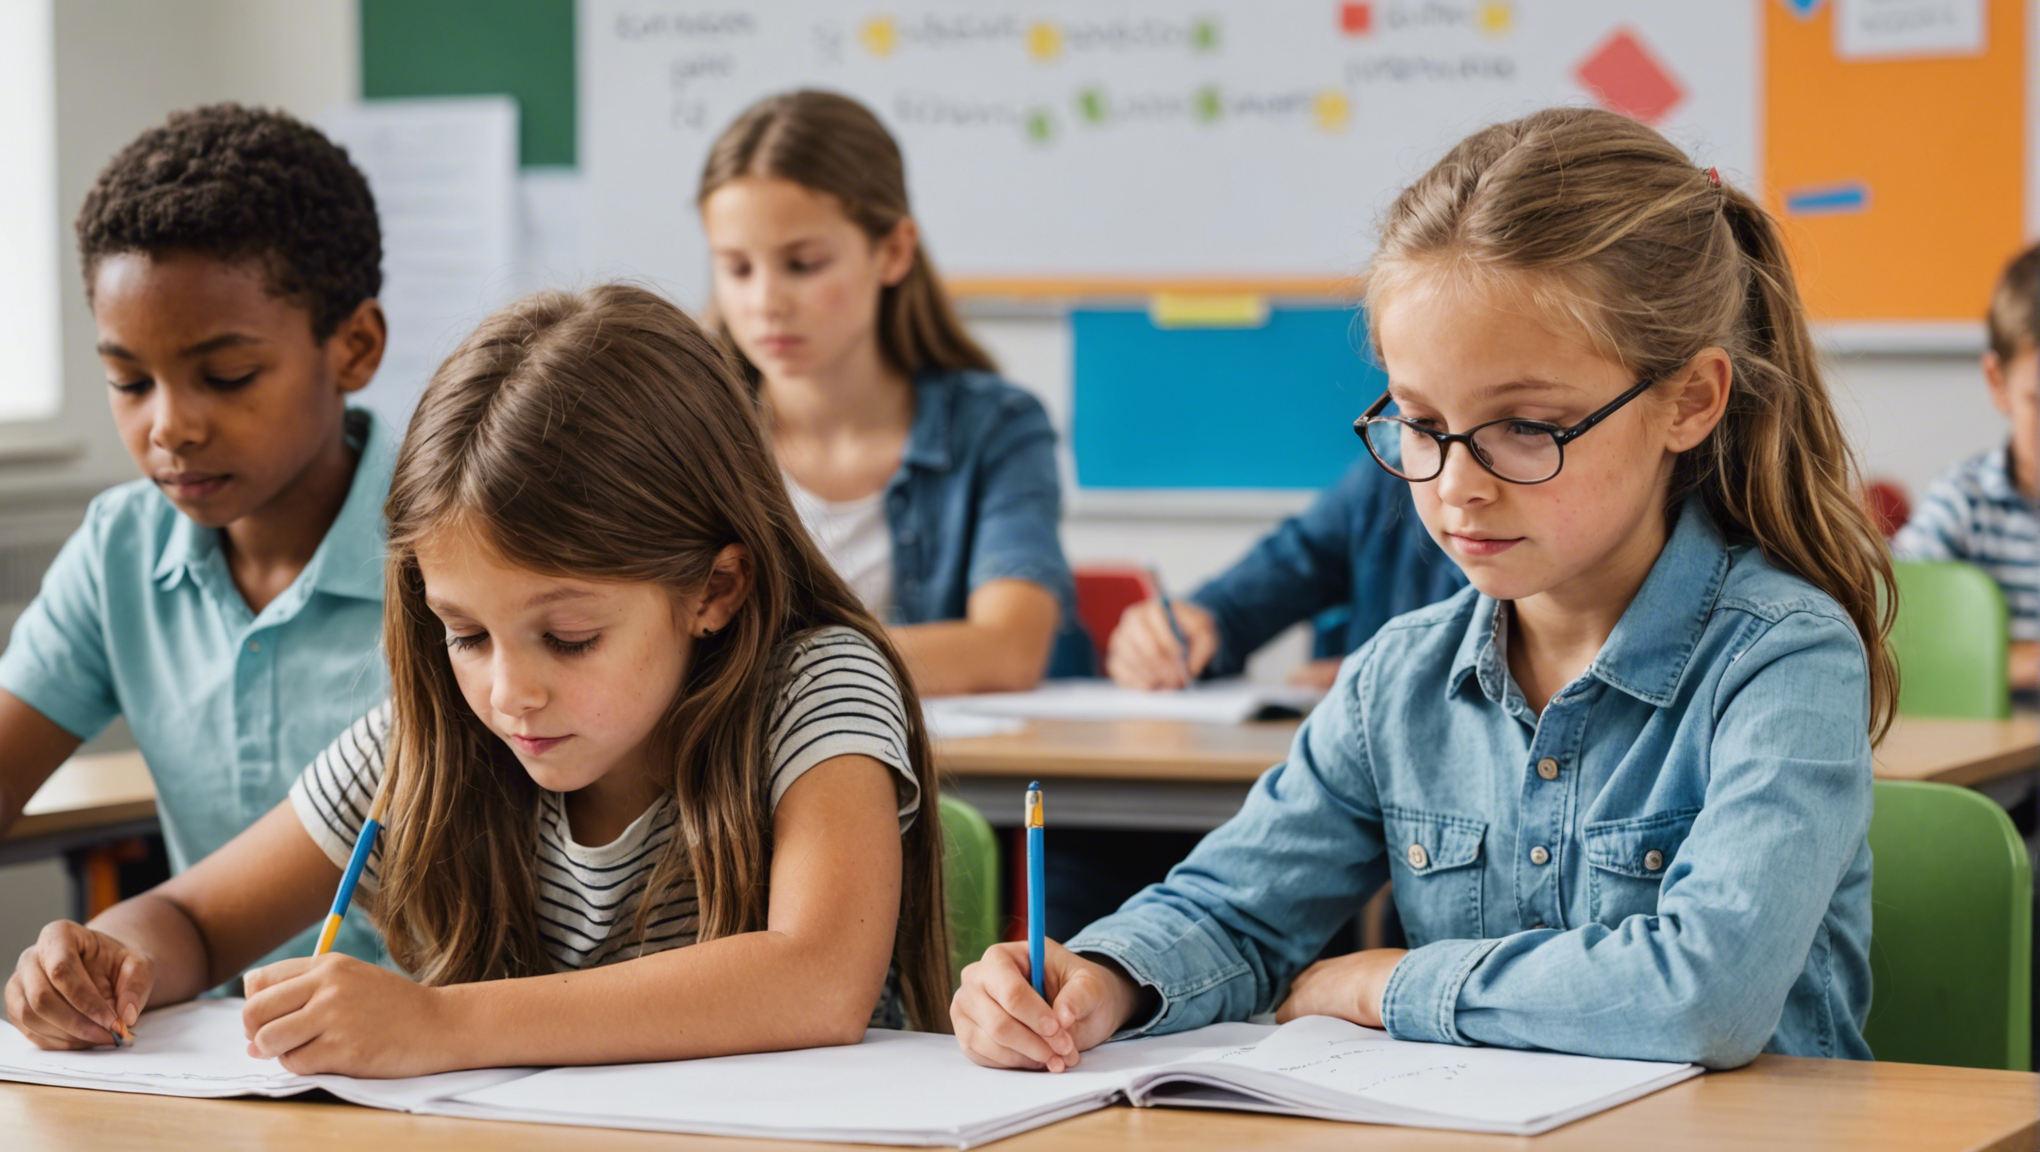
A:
<point x="139" y="617"/>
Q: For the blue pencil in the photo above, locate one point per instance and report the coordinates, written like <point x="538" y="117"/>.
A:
<point x="364" y="845"/>
<point x="1169" y="612"/>
<point x="1037" y="899"/>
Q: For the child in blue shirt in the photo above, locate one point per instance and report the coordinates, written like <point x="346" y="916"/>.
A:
<point x="1622" y="783"/>
<point x="929" y="481"/>
<point x="228" y="604"/>
<point x="1986" y="510"/>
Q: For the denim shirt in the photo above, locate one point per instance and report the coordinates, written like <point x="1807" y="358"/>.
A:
<point x="1359" y="544"/>
<point x="978" y="498"/>
<point x="1671" y="865"/>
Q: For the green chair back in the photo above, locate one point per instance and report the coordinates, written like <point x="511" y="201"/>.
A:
<point x="1951" y="642"/>
<point x="1951" y="951"/>
<point x="970" y="875"/>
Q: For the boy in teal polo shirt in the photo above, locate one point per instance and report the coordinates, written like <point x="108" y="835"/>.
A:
<point x="229" y="603"/>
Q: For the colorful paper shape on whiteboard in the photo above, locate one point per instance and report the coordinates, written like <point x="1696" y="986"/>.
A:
<point x="1623" y="75"/>
<point x="1804" y="9"/>
<point x="1828" y="200"/>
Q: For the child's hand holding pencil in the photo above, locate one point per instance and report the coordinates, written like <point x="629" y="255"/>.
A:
<point x="79" y="988"/>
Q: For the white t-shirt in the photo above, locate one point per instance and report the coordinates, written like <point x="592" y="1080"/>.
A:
<point x="840" y="699"/>
<point x="856" y="538"/>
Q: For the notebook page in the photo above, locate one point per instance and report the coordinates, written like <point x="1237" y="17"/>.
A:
<point x="1329" y="1066"/>
<point x="199" y="1049"/>
<point x="192" y="1049"/>
<point x="894" y="1088"/>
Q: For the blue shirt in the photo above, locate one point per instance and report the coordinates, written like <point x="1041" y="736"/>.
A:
<point x="1359" y="545"/>
<point x="978" y="498"/>
<point x="139" y="617"/>
<point x="1672" y="865"/>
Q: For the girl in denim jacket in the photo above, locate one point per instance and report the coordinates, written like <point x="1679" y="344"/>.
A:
<point x="1622" y="783"/>
<point x="929" y="482"/>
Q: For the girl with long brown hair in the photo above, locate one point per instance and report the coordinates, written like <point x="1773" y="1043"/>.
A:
<point x="1622" y="783"/>
<point x="656" y="785"/>
<point x="929" y="482"/>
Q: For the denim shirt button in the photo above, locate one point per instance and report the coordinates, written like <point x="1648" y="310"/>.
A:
<point x="1547" y="768"/>
<point x="1538" y="855"/>
<point x="1418" y="857"/>
<point x="1653" y="860"/>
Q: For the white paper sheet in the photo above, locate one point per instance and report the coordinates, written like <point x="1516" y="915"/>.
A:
<point x="895" y="1088"/>
<point x="199" y="1049"/>
<point x="1338" y="1069"/>
<point x="1218" y="702"/>
<point x="444" y="175"/>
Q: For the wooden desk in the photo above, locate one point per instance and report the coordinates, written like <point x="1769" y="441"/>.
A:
<point x="1191" y="777"/>
<point x="1777" y="1102"/>
<point x="90" y="800"/>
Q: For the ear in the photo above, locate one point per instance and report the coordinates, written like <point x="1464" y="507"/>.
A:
<point x="896" y="250"/>
<point x="1698" y="396"/>
<point x="2000" y="388"/>
<point x="729" y="582"/>
<point x="356" y="347"/>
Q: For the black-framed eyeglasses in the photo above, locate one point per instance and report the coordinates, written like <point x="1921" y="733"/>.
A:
<point x="1519" y="451"/>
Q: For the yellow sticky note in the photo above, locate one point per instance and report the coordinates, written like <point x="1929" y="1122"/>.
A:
<point x="1208" y="310"/>
<point x="879" y="35"/>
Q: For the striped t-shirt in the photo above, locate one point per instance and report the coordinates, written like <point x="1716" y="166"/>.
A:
<point x="840" y="699"/>
<point x="1975" y="513"/>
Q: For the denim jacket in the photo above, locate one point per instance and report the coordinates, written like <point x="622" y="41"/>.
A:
<point x="978" y="498"/>
<point x="1359" y="544"/>
<point x="1671" y="864"/>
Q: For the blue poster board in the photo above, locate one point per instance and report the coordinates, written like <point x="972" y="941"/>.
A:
<point x="1264" y="407"/>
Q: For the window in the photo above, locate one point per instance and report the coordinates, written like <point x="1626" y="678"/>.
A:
<point x="31" y="380"/>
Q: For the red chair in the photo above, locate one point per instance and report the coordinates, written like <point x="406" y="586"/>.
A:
<point x="1886" y="502"/>
<point x="1104" y="593"/>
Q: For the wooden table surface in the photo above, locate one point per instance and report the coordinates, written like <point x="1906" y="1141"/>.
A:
<point x="107" y="791"/>
<point x="1917" y="748"/>
<point x="1777" y="1102"/>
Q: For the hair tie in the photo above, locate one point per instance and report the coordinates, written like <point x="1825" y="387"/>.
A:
<point x="1714" y="177"/>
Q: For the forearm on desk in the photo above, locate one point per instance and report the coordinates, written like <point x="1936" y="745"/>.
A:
<point x="755" y="992"/>
<point x="162" y="930"/>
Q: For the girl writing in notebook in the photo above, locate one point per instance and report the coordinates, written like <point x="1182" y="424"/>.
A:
<point x="1622" y="783"/>
<point x="927" y="480"/>
<point x="658" y="786"/>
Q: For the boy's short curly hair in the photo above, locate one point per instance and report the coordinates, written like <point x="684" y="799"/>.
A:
<point x="243" y="183"/>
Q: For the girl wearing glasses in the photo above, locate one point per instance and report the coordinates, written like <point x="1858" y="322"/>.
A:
<point x="1622" y="783"/>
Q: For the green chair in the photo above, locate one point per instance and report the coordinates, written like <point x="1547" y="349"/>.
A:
<point x="970" y="874"/>
<point x="1951" y="642"/>
<point x="1951" y="951"/>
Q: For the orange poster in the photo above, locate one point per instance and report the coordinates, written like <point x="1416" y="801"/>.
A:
<point x="1900" y="178"/>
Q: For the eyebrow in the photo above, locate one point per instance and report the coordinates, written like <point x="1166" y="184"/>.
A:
<point x="203" y="347"/>
<point x="1508" y="388"/>
<point x="443" y="606"/>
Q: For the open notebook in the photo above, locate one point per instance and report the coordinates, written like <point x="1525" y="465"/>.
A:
<point x="908" y="1087"/>
<point x="1210" y="702"/>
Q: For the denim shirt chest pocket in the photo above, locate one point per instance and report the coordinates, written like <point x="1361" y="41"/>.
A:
<point x="1627" y="860"/>
<point x="1433" y="860"/>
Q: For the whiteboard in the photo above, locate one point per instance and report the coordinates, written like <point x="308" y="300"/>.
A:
<point x="1105" y="145"/>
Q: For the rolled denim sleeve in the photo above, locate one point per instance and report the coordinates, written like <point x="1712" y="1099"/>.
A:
<point x="1705" y="979"/>
<point x="56" y="660"/>
<point x="1019" y="505"/>
<point x="1300" y="569"/>
<point x="1222" y="937"/>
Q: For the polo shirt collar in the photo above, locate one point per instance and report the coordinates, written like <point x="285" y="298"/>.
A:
<point x="348" y="561"/>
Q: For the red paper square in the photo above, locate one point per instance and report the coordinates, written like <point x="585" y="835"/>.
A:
<point x="1624" y="76"/>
